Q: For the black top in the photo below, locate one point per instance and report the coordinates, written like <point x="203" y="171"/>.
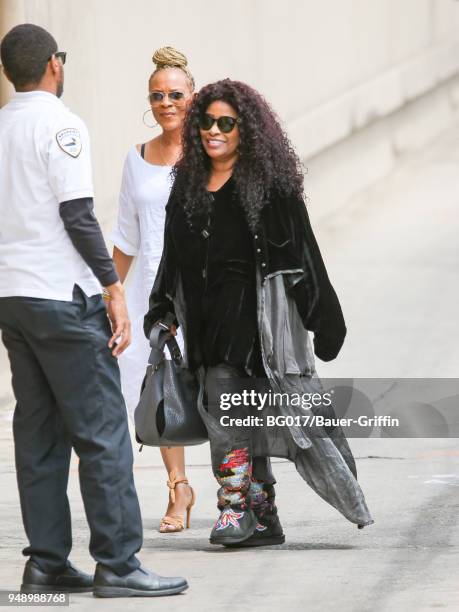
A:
<point x="283" y="242"/>
<point x="217" y="266"/>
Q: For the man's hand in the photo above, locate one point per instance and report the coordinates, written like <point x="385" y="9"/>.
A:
<point x="119" y="319"/>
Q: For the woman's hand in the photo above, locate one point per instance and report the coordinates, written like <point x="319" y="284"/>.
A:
<point x="172" y="328"/>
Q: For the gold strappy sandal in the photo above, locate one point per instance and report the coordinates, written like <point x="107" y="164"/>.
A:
<point x="172" y="524"/>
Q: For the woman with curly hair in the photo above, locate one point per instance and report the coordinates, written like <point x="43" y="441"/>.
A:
<point x="243" y="275"/>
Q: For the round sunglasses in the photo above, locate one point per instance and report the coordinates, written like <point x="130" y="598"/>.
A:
<point x="225" y="124"/>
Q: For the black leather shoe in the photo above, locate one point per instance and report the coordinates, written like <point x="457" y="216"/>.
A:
<point x="234" y="525"/>
<point x="68" y="580"/>
<point x="139" y="583"/>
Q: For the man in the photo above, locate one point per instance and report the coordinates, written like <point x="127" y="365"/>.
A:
<point x="55" y="327"/>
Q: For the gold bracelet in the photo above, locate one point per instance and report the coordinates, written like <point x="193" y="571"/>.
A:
<point x="105" y="295"/>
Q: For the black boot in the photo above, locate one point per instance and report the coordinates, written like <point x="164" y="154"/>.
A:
<point x="233" y="526"/>
<point x="237" y="520"/>
<point x="268" y="530"/>
<point x="68" y="580"/>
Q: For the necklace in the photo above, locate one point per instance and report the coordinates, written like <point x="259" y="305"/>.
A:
<point x="165" y="162"/>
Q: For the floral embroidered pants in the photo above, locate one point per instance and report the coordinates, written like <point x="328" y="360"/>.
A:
<point x="243" y="479"/>
<point x="238" y="486"/>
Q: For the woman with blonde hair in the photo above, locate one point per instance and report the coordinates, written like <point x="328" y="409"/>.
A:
<point x="139" y="232"/>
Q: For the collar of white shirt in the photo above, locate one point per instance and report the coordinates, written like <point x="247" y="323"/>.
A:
<point x="25" y="96"/>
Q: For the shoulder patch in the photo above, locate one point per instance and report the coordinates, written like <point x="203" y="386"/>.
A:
<point x="69" y="141"/>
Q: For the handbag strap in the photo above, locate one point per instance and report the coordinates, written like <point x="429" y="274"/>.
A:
<point x="160" y="337"/>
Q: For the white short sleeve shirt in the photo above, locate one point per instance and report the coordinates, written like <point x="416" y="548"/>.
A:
<point x="44" y="160"/>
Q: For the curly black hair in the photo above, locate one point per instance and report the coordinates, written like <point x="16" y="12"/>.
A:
<point x="266" y="163"/>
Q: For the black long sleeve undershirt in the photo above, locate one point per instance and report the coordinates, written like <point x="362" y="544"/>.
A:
<point x="86" y="236"/>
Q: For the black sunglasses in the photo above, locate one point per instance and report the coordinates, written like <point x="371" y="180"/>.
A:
<point x="224" y="124"/>
<point x="59" y="54"/>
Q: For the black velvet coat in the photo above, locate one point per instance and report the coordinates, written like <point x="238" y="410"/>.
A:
<point x="283" y="241"/>
<point x="294" y="296"/>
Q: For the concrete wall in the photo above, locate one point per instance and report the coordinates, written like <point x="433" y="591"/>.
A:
<point x="330" y="68"/>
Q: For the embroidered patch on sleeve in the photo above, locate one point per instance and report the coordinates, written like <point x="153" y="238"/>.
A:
<point x="69" y="141"/>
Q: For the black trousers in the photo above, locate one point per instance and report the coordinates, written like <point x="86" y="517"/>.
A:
<point x="68" y="394"/>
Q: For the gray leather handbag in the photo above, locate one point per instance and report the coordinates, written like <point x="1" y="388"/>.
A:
<point x="167" y="412"/>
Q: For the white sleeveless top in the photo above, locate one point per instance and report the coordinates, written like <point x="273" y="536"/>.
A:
<point x="139" y="232"/>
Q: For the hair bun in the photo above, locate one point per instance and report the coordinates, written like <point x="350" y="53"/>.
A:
<point x="169" y="57"/>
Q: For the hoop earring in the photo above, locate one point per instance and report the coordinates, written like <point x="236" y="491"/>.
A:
<point x="145" y="123"/>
